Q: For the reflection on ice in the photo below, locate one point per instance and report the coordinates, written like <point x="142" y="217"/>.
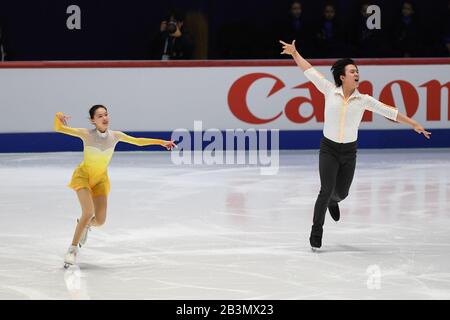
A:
<point x="75" y="284"/>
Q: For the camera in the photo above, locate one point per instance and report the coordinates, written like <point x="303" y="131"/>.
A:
<point x="171" y="27"/>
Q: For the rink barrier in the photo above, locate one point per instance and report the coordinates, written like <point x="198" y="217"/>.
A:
<point x="289" y="140"/>
<point x="308" y="138"/>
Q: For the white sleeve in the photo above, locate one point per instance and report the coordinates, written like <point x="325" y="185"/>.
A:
<point x="321" y="83"/>
<point x="376" y="106"/>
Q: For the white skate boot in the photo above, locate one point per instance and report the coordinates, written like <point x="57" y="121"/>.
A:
<point x="71" y="256"/>
<point x="84" y="235"/>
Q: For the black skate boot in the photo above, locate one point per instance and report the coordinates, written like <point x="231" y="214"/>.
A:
<point x="334" y="211"/>
<point x="315" y="238"/>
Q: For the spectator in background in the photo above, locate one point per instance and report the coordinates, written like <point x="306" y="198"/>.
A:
<point x="407" y="33"/>
<point x="446" y="37"/>
<point x="295" y="27"/>
<point x="1" y="46"/>
<point x="172" y="42"/>
<point x="329" y="37"/>
<point x="365" y="42"/>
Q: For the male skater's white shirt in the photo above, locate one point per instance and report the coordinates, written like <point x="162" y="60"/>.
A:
<point x="342" y="117"/>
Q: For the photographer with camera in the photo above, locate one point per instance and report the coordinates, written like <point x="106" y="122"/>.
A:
<point x="172" y="42"/>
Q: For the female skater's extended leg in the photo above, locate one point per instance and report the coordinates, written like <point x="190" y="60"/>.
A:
<point x="100" y="205"/>
<point x="87" y="212"/>
<point x="98" y="219"/>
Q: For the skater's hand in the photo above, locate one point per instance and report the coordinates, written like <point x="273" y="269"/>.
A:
<point x="62" y="118"/>
<point x="169" y="145"/>
<point x="419" y="129"/>
<point x="288" y="48"/>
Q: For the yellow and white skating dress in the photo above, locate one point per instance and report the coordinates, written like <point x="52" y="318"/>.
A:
<point x="92" y="173"/>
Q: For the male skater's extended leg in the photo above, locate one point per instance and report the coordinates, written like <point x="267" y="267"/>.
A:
<point x="343" y="182"/>
<point x="328" y="169"/>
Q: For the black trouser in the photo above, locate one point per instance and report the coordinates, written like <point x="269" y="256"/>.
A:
<point x="337" y="163"/>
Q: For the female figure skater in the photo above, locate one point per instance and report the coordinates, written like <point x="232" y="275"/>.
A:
<point x="344" y="109"/>
<point x="90" y="179"/>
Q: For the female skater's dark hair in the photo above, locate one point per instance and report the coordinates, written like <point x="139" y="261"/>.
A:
<point x="338" y="69"/>
<point x="94" y="108"/>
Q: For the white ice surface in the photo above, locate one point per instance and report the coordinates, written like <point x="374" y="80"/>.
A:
<point x="228" y="232"/>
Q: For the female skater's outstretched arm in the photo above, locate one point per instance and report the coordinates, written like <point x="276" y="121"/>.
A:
<point x="60" y="125"/>
<point x="169" y="145"/>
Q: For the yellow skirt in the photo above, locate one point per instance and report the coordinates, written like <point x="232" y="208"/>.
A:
<point x="98" y="187"/>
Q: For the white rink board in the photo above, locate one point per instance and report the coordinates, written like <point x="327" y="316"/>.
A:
<point x="164" y="99"/>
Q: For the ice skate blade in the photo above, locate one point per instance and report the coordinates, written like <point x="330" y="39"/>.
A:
<point x="314" y="249"/>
